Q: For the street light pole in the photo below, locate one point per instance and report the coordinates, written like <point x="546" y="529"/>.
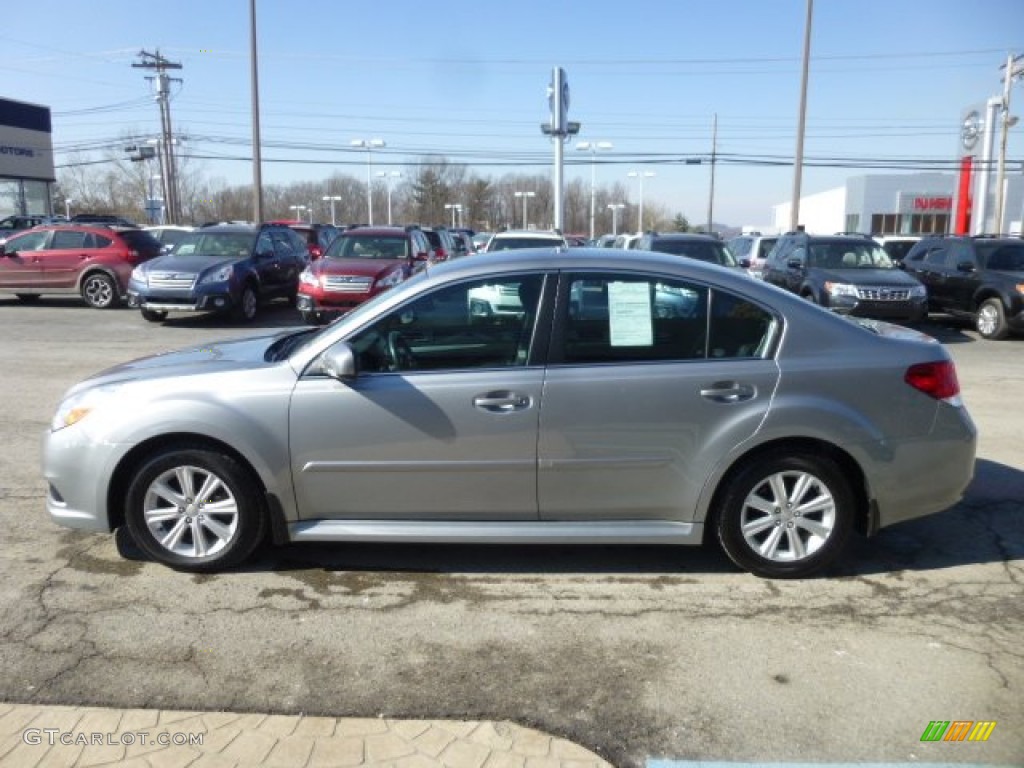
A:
<point x="615" y="208"/>
<point x="67" y="208"/>
<point x="369" y="145"/>
<point x="332" y="198"/>
<point x="798" y="165"/>
<point x="388" y="177"/>
<point x="526" y="196"/>
<point x="640" y="176"/>
<point x="592" y="147"/>
<point x="454" y="208"/>
<point x="298" y="211"/>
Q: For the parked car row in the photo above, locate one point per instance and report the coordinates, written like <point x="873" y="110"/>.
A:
<point x="326" y="271"/>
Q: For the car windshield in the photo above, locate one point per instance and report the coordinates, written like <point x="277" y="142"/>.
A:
<point x="369" y="247"/>
<point x="715" y="253"/>
<point x="515" y="243"/>
<point x="1008" y="257"/>
<point x="216" y="244"/>
<point x="849" y="256"/>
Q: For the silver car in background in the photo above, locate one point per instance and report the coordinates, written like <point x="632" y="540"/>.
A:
<point x="633" y="398"/>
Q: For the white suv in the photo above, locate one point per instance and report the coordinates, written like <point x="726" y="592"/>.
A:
<point x="525" y="238"/>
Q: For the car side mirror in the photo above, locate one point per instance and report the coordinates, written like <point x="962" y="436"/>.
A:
<point x="966" y="266"/>
<point x="745" y="263"/>
<point x="339" y="362"/>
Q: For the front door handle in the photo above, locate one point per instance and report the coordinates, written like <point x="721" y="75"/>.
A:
<point x="501" y="402"/>
<point x="728" y="392"/>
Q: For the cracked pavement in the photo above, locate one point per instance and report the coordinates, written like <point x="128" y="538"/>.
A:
<point x="631" y="652"/>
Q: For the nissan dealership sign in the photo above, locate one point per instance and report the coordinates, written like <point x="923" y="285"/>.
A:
<point x="26" y="146"/>
<point x="916" y="202"/>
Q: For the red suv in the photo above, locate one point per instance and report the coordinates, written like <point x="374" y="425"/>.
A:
<point x="92" y="261"/>
<point x="359" y="263"/>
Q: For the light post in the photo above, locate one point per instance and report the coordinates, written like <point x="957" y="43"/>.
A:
<point x="640" y="176"/>
<point x="455" y="208"/>
<point x="526" y="196"/>
<point x="592" y="147"/>
<point x="333" y="199"/>
<point x="67" y="208"/>
<point x="298" y="211"/>
<point x="155" y="213"/>
<point x="388" y="179"/>
<point x="1014" y="71"/>
<point x="615" y="208"/>
<point x="369" y="145"/>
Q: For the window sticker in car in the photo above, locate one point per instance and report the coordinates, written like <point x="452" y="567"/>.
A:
<point x="629" y="315"/>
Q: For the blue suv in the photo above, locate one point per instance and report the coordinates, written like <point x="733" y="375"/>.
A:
<point x="224" y="268"/>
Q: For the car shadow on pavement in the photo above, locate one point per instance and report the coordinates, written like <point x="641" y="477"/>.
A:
<point x="987" y="526"/>
<point x="270" y="316"/>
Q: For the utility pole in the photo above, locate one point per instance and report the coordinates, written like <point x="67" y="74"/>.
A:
<point x="711" y="192"/>
<point x="798" y="165"/>
<point x="155" y="61"/>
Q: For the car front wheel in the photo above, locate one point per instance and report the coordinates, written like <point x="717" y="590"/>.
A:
<point x="246" y="309"/>
<point x="990" y="320"/>
<point x="100" y="291"/>
<point x="787" y="516"/>
<point x="195" y="509"/>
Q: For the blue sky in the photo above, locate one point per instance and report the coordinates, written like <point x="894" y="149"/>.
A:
<point x="467" y="80"/>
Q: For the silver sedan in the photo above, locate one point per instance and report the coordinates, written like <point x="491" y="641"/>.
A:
<point x="633" y="398"/>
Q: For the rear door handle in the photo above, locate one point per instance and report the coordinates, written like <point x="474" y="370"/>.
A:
<point x="501" y="402"/>
<point x="728" y="392"/>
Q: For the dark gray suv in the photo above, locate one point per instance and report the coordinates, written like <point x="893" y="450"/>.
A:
<point x="849" y="274"/>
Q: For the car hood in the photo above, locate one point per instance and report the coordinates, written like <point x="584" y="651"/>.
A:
<point x="359" y="267"/>
<point x="192" y="264"/>
<point x="229" y="355"/>
<point x="868" y="276"/>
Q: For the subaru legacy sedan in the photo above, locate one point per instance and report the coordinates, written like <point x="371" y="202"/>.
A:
<point x="634" y="398"/>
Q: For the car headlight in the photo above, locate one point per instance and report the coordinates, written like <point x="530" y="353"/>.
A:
<point x="308" y="278"/>
<point x="221" y="275"/>
<point x="841" y="289"/>
<point x="75" y="408"/>
<point x="139" y="275"/>
<point x="390" y="280"/>
<point x="918" y="292"/>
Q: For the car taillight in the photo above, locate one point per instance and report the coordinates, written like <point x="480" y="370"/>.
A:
<point x="315" y="251"/>
<point x="133" y="256"/>
<point x="442" y="254"/>
<point x="936" y="379"/>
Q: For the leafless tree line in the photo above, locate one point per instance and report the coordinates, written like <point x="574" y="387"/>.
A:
<point x="419" y="195"/>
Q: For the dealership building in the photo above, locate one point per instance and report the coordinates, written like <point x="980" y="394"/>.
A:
<point x="896" y="204"/>
<point x="26" y="159"/>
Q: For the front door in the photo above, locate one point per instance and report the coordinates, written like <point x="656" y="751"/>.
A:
<point x="441" y="422"/>
<point x="21" y="264"/>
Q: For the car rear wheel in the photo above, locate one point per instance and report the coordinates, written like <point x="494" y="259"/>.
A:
<point x="990" y="320"/>
<point x="311" y="317"/>
<point x="195" y="509"/>
<point x="247" y="305"/>
<point x="154" y="315"/>
<point x="787" y="516"/>
<point x="100" y="291"/>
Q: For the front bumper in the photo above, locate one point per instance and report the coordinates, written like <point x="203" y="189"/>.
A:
<point x="77" y="472"/>
<point x="211" y="302"/>
<point x="902" y="309"/>
<point x="328" y="304"/>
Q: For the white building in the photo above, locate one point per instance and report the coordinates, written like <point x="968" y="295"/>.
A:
<point x="904" y="204"/>
<point x="26" y="159"/>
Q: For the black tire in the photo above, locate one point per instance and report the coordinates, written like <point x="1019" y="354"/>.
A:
<point x="154" y="315"/>
<point x="775" y="538"/>
<point x="809" y="296"/>
<point x="100" y="291"/>
<point x="990" y="320"/>
<point x="212" y="534"/>
<point x="28" y="298"/>
<point x="248" y="303"/>
<point x="311" y="317"/>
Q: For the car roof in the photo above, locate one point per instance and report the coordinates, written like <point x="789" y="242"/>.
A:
<point x="375" y="231"/>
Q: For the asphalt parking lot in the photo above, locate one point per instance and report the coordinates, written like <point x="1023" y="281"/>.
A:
<point x="635" y="653"/>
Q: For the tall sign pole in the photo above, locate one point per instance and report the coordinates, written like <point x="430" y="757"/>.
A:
<point x="1014" y="69"/>
<point x="798" y="165"/>
<point x="254" y="86"/>
<point x="559" y="129"/>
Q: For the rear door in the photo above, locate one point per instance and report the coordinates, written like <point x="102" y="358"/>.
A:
<point x="651" y="381"/>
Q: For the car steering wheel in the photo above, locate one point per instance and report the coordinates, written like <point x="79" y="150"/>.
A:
<point x="400" y="357"/>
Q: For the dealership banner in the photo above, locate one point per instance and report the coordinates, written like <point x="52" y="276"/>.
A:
<point x="26" y="144"/>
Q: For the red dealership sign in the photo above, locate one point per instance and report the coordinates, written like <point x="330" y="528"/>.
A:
<point x="933" y="204"/>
